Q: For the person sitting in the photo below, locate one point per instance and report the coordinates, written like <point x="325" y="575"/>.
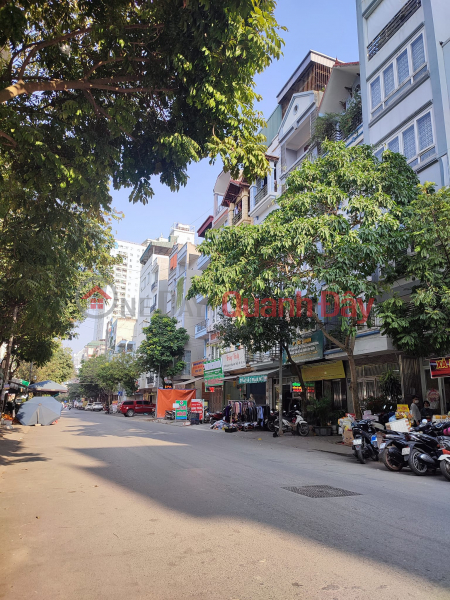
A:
<point x="426" y="411"/>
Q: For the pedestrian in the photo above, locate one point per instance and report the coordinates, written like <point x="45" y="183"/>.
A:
<point x="415" y="412"/>
<point x="427" y="411"/>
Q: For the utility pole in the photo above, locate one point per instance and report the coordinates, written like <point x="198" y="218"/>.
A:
<point x="280" y="391"/>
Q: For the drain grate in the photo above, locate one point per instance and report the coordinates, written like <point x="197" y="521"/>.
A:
<point x="320" y="491"/>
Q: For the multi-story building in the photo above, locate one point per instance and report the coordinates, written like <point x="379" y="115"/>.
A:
<point x="190" y="314"/>
<point x="404" y="48"/>
<point x="120" y="335"/>
<point x="404" y="51"/>
<point x="125" y="290"/>
<point x="154" y="282"/>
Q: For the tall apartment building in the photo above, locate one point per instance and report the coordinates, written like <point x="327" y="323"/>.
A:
<point x="404" y="48"/>
<point x="125" y="290"/>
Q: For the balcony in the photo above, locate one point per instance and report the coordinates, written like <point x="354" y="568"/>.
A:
<point x="201" y="299"/>
<point x="202" y="262"/>
<point x="153" y="307"/>
<point x="373" y="324"/>
<point x="154" y="285"/>
<point x="201" y="329"/>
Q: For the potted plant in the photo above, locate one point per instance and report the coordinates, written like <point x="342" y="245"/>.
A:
<point x="323" y="415"/>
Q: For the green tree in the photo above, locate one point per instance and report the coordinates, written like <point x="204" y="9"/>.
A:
<point x="99" y="377"/>
<point x="340" y="219"/>
<point x="163" y="348"/>
<point x="419" y="321"/>
<point x="59" y="368"/>
<point x="49" y="257"/>
<point x="93" y="91"/>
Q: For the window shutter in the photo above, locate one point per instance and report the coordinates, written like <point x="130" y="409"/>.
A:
<point x="402" y="67"/>
<point x="393" y="145"/>
<point x="409" y="142"/>
<point x="375" y="92"/>
<point x="388" y="77"/>
<point x="418" y="53"/>
<point x="425" y="131"/>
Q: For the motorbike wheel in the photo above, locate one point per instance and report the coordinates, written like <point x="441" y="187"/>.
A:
<point x="445" y="469"/>
<point x="416" y="466"/>
<point x="388" y="463"/>
<point x="360" y="455"/>
<point x="271" y="426"/>
<point x="303" y="429"/>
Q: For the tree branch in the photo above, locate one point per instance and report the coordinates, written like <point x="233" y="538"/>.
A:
<point x="8" y="137"/>
<point x="21" y="87"/>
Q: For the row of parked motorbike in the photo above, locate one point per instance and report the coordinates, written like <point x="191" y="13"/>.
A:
<point x="291" y="422"/>
<point x="425" y="448"/>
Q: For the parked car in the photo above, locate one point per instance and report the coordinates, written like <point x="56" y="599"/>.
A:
<point x="89" y="406"/>
<point x="131" y="407"/>
<point x="97" y="406"/>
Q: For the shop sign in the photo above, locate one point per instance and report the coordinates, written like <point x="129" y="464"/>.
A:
<point x="234" y="360"/>
<point x="310" y="387"/>
<point x="328" y="370"/>
<point x="253" y="378"/>
<point x="198" y="368"/>
<point x="213" y="370"/>
<point x="180" y="409"/>
<point x="307" y="347"/>
<point x="440" y="367"/>
<point x="197" y="407"/>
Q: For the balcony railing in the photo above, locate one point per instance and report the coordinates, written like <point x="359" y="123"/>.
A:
<point x="261" y="194"/>
<point x="219" y="210"/>
<point x="237" y="217"/>
<point x="154" y="284"/>
<point x="200" y="327"/>
<point x="373" y="323"/>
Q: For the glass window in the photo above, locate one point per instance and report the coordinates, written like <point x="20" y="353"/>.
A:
<point x="394" y="145"/>
<point x="425" y="131"/>
<point x="388" y="78"/>
<point x="402" y="67"/>
<point x="409" y="142"/>
<point x="418" y="53"/>
<point x="379" y="153"/>
<point x="375" y="92"/>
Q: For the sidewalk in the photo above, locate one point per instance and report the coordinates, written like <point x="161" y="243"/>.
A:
<point x="312" y="443"/>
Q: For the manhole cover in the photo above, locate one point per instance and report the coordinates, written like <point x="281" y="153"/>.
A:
<point x="320" y="491"/>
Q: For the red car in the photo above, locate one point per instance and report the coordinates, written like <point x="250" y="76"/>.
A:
<point x="137" y="407"/>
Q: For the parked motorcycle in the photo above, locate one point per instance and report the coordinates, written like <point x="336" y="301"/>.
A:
<point x="444" y="459"/>
<point x="269" y="423"/>
<point x="292" y="421"/>
<point x="170" y="415"/>
<point x="212" y="417"/>
<point x="365" y="442"/>
<point x="426" y="448"/>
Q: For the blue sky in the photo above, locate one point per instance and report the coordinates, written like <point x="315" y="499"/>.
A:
<point x="328" y="26"/>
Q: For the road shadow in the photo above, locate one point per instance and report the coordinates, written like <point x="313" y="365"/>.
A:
<point x="11" y="451"/>
<point x="173" y="474"/>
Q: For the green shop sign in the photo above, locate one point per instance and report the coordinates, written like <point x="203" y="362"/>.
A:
<point x="213" y="370"/>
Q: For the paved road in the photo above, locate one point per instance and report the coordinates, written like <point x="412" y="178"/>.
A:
<point x="104" y="507"/>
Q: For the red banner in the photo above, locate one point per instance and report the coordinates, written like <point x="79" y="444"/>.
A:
<point x="440" y="367"/>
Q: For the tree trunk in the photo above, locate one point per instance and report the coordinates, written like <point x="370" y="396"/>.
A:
<point x="8" y="360"/>
<point x="298" y="369"/>
<point x="354" y="386"/>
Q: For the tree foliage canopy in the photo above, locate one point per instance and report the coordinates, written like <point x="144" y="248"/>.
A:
<point x="163" y="348"/>
<point x="93" y="90"/>
<point x="59" y="368"/>
<point x="100" y="377"/>
<point x="340" y="218"/>
<point x="419" y="320"/>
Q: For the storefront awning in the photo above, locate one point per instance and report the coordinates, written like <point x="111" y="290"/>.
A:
<point x="256" y="376"/>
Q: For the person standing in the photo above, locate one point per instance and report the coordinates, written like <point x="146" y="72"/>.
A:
<point x="415" y="412"/>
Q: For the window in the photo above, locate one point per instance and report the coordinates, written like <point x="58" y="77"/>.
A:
<point x="417" y="53"/>
<point x="388" y="78"/>
<point x="394" y="145"/>
<point x="415" y="142"/>
<point x="379" y="154"/>
<point x="394" y="81"/>
<point x="424" y="132"/>
<point x="375" y="92"/>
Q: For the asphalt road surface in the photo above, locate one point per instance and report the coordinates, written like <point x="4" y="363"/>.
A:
<point x="104" y="507"/>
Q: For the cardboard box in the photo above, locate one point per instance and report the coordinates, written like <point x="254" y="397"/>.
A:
<point x="347" y="437"/>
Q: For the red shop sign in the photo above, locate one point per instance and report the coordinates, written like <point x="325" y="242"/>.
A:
<point x="440" y="367"/>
